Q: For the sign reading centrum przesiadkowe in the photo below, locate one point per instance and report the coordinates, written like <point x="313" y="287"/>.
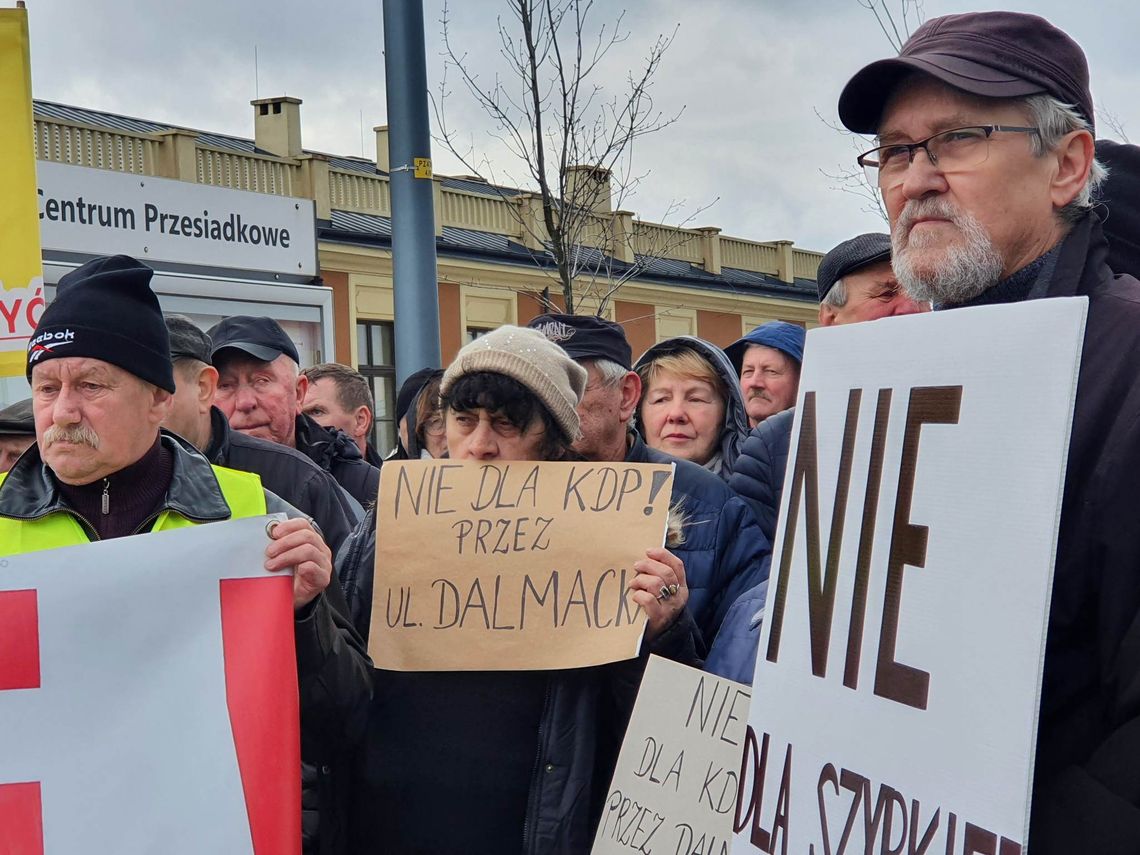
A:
<point x="511" y="566"/>
<point x="896" y="690"/>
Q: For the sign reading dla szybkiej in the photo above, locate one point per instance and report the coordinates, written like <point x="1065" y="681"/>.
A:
<point x="899" y="668"/>
<point x="512" y="565"/>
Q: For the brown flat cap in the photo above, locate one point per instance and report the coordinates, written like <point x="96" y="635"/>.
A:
<point x="993" y="54"/>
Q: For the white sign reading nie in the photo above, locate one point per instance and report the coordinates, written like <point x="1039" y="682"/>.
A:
<point x="897" y="681"/>
<point x="101" y="212"/>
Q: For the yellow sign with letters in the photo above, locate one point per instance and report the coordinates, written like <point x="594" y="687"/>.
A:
<point x="21" y="267"/>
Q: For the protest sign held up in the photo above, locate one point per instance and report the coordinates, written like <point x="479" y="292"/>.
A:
<point x="675" y="784"/>
<point x="505" y="566"/>
<point x="148" y="697"/>
<point x="899" y="668"/>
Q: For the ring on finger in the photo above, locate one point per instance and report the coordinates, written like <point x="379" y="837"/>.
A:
<point x="666" y="593"/>
<point x="674" y="588"/>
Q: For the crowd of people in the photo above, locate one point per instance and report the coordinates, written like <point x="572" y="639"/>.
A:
<point x="995" y="191"/>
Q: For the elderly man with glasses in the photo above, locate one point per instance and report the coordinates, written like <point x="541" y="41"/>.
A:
<point x="985" y="161"/>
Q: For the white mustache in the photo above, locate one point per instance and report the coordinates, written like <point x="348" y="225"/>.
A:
<point x="79" y="434"/>
<point x="916" y="208"/>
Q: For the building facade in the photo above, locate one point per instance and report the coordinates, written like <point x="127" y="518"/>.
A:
<point x="330" y="285"/>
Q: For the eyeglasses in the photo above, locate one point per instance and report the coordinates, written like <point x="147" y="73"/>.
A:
<point x="955" y="150"/>
<point x="434" y="426"/>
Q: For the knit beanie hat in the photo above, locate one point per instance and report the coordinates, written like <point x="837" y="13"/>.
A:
<point x="533" y="360"/>
<point x="106" y="310"/>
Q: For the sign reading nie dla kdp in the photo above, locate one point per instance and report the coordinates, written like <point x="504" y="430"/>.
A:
<point x="511" y="565"/>
<point x="896" y="691"/>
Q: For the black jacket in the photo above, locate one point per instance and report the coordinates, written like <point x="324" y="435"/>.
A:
<point x="338" y="455"/>
<point x="289" y="474"/>
<point x="332" y="665"/>
<point x="584" y="716"/>
<point x="759" y="474"/>
<point x="1086" y="789"/>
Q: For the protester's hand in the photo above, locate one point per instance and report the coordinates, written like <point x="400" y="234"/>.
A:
<point x="659" y="588"/>
<point x="295" y="543"/>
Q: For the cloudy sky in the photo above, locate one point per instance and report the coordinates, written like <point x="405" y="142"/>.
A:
<point x="747" y="76"/>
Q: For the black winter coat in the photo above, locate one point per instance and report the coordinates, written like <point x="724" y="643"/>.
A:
<point x="1086" y="789"/>
<point x="338" y="455"/>
<point x="289" y="474"/>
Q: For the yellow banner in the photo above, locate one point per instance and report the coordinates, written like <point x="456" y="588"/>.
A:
<point x="21" y="267"/>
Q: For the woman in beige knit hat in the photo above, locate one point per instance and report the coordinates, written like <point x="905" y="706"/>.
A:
<point x="508" y="761"/>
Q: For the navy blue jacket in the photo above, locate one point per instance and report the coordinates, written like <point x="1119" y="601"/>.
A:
<point x="759" y="474"/>
<point x="724" y="550"/>
<point x="759" y="480"/>
<point x="735" y="416"/>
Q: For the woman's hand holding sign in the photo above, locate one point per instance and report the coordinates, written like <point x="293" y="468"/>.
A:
<point x="659" y="588"/>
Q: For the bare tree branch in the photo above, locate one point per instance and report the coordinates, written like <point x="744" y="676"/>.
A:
<point x="572" y="137"/>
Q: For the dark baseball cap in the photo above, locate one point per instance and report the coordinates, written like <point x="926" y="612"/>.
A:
<point x="17" y="419"/>
<point x="261" y="338"/>
<point x="586" y="337"/>
<point x="993" y="54"/>
<point x="187" y="341"/>
<point x="849" y="256"/>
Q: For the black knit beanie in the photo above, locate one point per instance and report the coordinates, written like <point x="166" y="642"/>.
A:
<point x="106" y="310"/>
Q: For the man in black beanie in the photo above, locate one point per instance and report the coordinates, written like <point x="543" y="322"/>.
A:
<point x="101" y="376"/>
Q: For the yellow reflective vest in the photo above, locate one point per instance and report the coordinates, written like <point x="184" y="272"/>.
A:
<point x="241" y="490"/>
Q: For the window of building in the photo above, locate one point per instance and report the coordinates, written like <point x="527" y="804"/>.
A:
<point x="472" y="333"/>
<point x="376" y="355"/>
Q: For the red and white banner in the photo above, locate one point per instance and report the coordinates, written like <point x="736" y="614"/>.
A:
<point x="148" y="697"/>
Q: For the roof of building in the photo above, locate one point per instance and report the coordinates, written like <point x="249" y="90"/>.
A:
<point x="375" y="230"/>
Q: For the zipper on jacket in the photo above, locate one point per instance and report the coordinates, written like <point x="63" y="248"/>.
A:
<point x="105" y="504"/>
<point x="536" y="775"/>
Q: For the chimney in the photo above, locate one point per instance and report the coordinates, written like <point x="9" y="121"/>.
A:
<point x="589" y="187"/>
<point x="277" y="125"/>
<point x="382" y="162"/>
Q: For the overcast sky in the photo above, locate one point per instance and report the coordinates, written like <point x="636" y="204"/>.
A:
<point x="749" y="75"/>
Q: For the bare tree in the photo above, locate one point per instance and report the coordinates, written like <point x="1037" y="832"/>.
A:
<point x="897" y="22"/>
<point x="571" y="140"/>
<point x="1113" y="122"/>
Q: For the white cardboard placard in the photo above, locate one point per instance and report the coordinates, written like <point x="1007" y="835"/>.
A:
<point x="922" y="727"/>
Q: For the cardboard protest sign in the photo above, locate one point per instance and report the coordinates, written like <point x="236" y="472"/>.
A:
<point x="148" y="697"/>
<point x="899" y="667"/>
<point x="511" y="565"/>
<point x="674" y="787"/>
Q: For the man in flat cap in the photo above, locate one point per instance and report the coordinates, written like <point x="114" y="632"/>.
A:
<point x="985" y="160"/>
<point x="261" y="391"/>
<point x="101" y="374"/>
<point x="17" y="432"/>
<point x="856" y="283"/>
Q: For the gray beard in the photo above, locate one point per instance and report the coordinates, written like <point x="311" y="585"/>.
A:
<point x="965" y="271"/>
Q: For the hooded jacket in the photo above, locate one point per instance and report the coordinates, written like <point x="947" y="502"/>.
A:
<point x="735" y="417"/>
<point x="338" y="455"/>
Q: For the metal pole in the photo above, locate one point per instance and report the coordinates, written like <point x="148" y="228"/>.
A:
<point x="414" y="275"/>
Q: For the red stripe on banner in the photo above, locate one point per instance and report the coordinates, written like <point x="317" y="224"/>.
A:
<point x="19" y="640"/>
<point x="261" y="693"/>
<point x="21" y="820"/>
